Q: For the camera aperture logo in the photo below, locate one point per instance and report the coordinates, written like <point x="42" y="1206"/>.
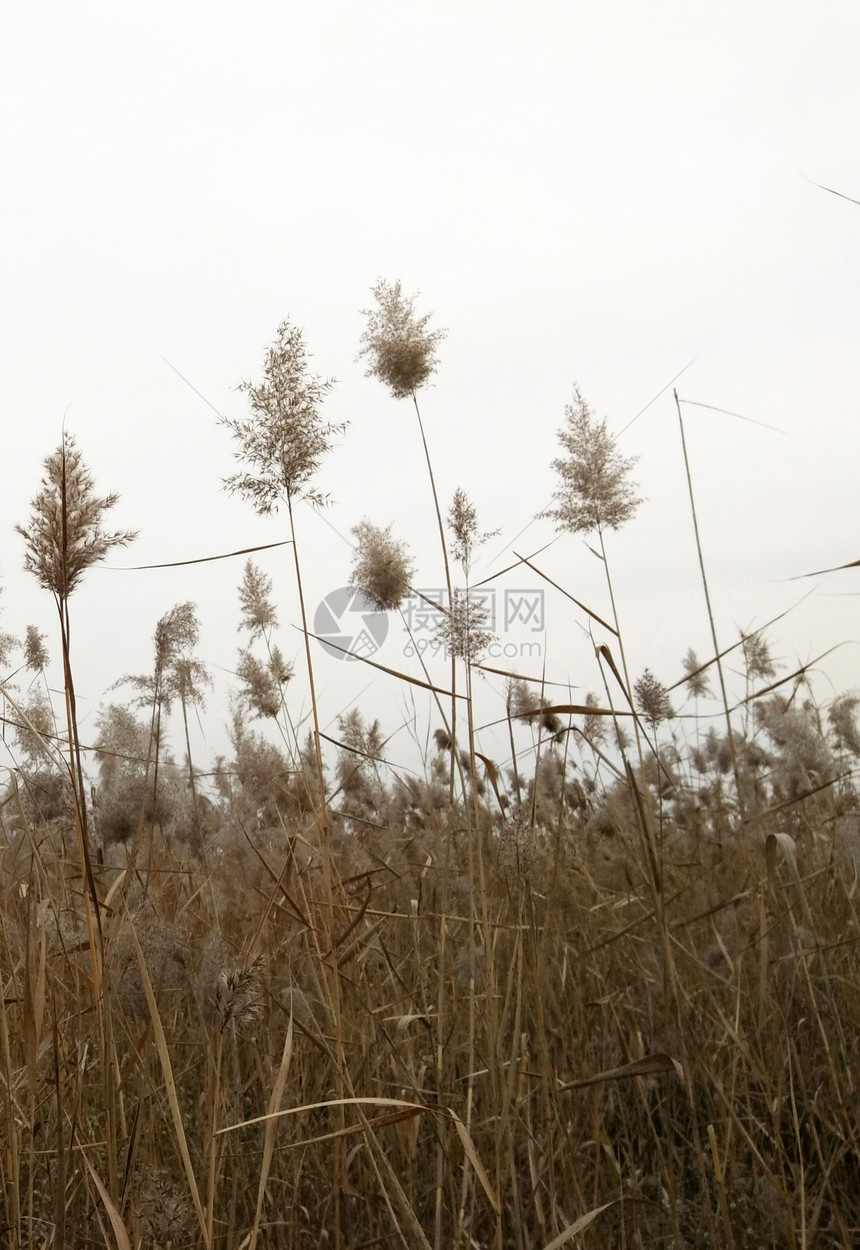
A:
<point x="348" y="626"/>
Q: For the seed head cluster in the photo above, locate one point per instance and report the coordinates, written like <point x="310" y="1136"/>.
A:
<point x="652" y="700"/>
<point x="239" y="995"/>
<point x="759" y="662"/>
<point x="463" y="523"/>
<point x="594" y="491"/>
<point x="697" y="678"/>
<point x="382" y="568"/>
<point x="164" y="1210"/>
<point x="66" y="534"/>
<point x="8" y="643"/>
<point x="400" y="349"/>
<point x="517" y="843"/>
<point x="593" y="725"/>
<point x="320" y="928"/>
<point x="285" y="439"/>
<point x="464" y="631"/>
<point x="35" y="651"/>
<point x="259" y="615"/>
<point x="262" y="683"/>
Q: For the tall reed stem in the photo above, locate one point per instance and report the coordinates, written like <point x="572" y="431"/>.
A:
<point x="310" y="666"/>
<point x="718" y="660"/>
<point x="448" y="587"/>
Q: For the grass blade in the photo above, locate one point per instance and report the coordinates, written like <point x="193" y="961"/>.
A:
<point x="170" y="1085"/>
<point x="579" y="1225"/>
<point x="119" y="1230"/>
<point x="271" y="1130"/>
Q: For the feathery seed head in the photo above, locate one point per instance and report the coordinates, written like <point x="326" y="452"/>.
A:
<point x="285" y="439"/>
<point x="367" y="739"/>
<point x="842" y="718"/>
<point x="400" y="349"/>
<point x="239" y="994"/>
<point x="593" y="726"/>
<point x="162" y="1206"/>
<point x="190" y="678"/>
<point x="176" y="673"/>
<point x="462" y="632"/>
<point x="523" y="704"/>
<point x="65" y="535"/>
<point x="261" y="683"/>
<point x="35" y="651"/>
<point x="259" y="615"/>
<point x="8" y="643"/>
<point x="697" y="679"/>
<point x="652" y="699"/>
<point x="382" y="568"/>
<point x="463" y="520"/>
<point x="758" y="661"/>
<point x="177" y="632"/>
<point x="517" y="845"/>
<point x="36" y="728"/>
<point x="594" y="492"/>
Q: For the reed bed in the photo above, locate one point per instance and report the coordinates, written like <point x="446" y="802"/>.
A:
<point x="602" y="992"/>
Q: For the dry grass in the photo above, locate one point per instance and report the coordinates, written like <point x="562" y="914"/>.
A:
<point x="556" y="1001"/>
<point x="536" y="1047"/>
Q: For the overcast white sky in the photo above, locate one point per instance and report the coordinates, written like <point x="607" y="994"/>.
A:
<point x="583" y="192"/>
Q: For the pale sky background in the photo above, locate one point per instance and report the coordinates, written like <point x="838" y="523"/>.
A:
<point x="582" y="192"/>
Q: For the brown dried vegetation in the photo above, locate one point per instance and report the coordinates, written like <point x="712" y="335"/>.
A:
<point x="568" y="999"/>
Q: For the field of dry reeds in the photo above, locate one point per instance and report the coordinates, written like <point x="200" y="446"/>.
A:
<point x="602" y="992"/>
